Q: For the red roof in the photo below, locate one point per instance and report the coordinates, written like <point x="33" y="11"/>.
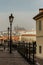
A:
<point x="28" y="34"/>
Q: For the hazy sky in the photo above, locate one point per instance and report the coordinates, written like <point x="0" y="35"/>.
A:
<point x="23" y="11"/>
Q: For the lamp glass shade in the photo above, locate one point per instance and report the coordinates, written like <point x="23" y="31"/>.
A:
<point x="11" y="18"/>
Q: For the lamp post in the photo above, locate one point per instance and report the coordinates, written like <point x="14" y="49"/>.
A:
<point x="8" y="36"/>
<point x="11" y="17"/>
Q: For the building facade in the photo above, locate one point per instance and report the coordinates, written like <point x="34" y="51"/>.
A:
<point x="29" y="36"/>
<point x="39" y="33"/>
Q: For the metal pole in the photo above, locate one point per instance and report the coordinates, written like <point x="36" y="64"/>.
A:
<point x="10" y="37"/>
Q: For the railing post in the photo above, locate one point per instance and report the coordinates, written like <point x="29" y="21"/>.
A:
<point x="29" y="51"/>
<point x="33" y="53"/>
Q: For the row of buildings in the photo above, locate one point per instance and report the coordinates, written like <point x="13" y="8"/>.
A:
<point x="19" y="35"/>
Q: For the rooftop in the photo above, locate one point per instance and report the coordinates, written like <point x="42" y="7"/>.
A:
<point x="39" y="15"/>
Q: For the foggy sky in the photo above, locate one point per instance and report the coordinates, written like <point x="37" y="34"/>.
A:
<point x="23" y="12"/>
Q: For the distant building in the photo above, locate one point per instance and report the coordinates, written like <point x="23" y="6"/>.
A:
<point x="21" y="35"/>
<point x="27" y="36"/>
<point x="17" y="29"/>
<point x="39" y="33"/>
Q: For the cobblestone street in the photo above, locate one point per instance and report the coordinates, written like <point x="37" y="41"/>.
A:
<point x="11" y="59"/>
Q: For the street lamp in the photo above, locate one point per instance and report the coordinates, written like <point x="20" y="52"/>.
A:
<point x="11" y="17"/>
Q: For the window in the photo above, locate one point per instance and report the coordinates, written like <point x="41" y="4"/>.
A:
<point x="39" y="25"/>
<point x="40" y="49"/>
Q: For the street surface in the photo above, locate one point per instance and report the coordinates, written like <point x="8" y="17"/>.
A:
<point x="12" y="59"/>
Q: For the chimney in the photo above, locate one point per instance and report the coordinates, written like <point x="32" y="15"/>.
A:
<point x="40" y="10"/>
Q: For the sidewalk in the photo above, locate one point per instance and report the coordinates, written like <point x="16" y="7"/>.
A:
<point x="11" y="59"/>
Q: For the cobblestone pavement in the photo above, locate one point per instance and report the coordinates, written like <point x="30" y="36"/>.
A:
<point x="40" y="61"/>
<point x="11" y="59"/>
